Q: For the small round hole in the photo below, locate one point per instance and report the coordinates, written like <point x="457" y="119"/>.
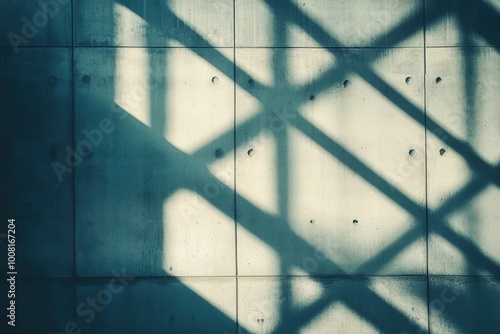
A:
<point x="409" y="80"/>
<point x="219" y="153"/>
<point x="411" y="152"/>
<point x="250" y="152"/>
<point x="86" y="79"/>
<point x="346" y="83"/>
<point x="311" y="221"/>
<point x="215" y="80"/>
<point x="442" y="151"/>
<point x="355" y="221"/>
<point x="251" y="82"/>
<point x="312" y="97"/>
<point x="438" y="80"/>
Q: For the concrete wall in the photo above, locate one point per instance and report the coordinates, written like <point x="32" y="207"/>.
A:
<point x="203" y="166"/>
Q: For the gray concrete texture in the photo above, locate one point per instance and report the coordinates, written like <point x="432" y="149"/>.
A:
<point x="240" y="166"/>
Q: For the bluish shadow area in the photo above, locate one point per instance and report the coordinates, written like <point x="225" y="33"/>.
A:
<point x="128" y="305"/>
<point x="464" y="304"/>
<point x="36" y="126"/>
<point x="44" y="305"/>
<point x="32" y="23"/>
<point x="476" y="21"/>
<point x="153" y="305"/>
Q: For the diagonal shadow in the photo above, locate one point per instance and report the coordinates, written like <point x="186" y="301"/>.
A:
<point x="343" y="155"/>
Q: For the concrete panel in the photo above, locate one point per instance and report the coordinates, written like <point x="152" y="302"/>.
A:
<point x="35" y="23"/>
<point x="464" y="305"/>
<point x="145" y="183"/>
<point x="463" y="23"/>
<point x="42" y="306"/>
<point x="190" y="23"/>
<point x="330" y="161"/>
<point x="312" y="23"/>
<point x="332" y="305"/>
<point x="157" y="305"/>
<point x="463" y="160"/>
<point x="35" y="94"/>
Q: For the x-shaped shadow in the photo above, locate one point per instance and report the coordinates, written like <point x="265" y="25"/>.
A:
<point x="264" y="225"/>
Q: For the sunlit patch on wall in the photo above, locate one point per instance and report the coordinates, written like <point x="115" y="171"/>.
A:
<point x="447" y="171"/>
<point x="199" y="98"/>
<point x="132" y="83"/>
<point x="335" y="209"/>
<point x="248" y="106"/>
<point x="305" y="290"/>
<point x="256" y="256"/>
<point x="306" y="65"/>
<point x="410" y="259"/>
<point x="127" y="21"/>
<point x="258" y="63"/>
<point x="406" y="294"/>
<point x="362" y="120"/>
<point x="346" y="25"/>
<point x="211" y="20"/>
<point x="444" y="31"/>
<point x="339" y="314"/>
<point x="259" y="302"/>
<point x="445" y="257"/>
<point x="402" y="71"/>
<point x="477" y="222"/>
<point x="256" y="172"/>
<point x="259" y="16"/>
<point x="199" y="239"/>
<point x="220" y="293"/>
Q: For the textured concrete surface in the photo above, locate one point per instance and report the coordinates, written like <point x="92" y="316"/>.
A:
<point x="263" y="166"/>
<point x="464" y="304"/>
<point x="323" y="24"/>
<point x="185" y="23"/>
<point x="326" y="165"/>
<point x="158" y="305"/>
<point x="172" y="228"/>
<point x="462" y="23"/>
<point x="42" y="305"/>
<point x="340" y="305"/>
<point x="463" y="156"/>
<point x="35" y="23"/>
<point x="35" y="90"/>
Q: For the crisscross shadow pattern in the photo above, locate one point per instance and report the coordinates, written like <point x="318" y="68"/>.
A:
<point x="327" y="180"/>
